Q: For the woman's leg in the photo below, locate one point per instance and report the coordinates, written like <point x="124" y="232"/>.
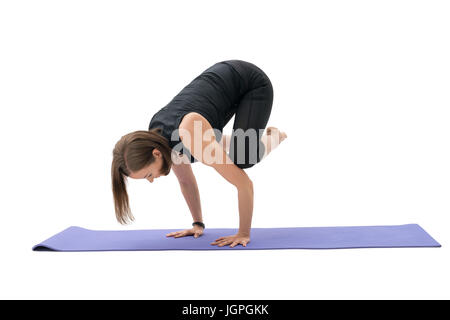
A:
<point x="271" y="139"/>
<point x="253" y="112"/>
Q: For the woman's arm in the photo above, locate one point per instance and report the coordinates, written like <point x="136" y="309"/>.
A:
<point x="201" y="146"/>
<point x="244" y="186"/>
<point x="189" y="189"/>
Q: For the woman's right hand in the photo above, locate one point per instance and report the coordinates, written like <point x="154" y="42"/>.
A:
<point x="196" y="231"/>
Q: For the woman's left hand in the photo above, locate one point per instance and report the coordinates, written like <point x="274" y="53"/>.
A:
<point x="232" y="240"/>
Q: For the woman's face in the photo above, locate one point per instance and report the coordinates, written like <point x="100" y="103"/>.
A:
<point x="152" y="171"/>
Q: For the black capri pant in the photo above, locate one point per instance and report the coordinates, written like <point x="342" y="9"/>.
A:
<point x="251" y="112"/>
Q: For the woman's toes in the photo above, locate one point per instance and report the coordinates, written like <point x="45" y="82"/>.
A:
<point x="269" y="130"/>
<point x="276" y="132"/>
<point x="272" y="130"/>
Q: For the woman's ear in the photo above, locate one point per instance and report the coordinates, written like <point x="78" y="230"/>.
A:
<point x="156" y="153"/>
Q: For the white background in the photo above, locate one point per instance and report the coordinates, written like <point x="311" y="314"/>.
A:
<point x="360" y="87"/>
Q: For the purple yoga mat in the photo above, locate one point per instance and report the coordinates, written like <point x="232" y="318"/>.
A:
<point x="80" y="239"/>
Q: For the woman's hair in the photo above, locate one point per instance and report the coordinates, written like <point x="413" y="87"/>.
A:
<point x="133" y="152"/>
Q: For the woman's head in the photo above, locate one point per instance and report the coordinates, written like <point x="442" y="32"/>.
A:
<point x="138" y="155"/>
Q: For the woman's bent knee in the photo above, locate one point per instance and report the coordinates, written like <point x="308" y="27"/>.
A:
<point x="245" y="165"/>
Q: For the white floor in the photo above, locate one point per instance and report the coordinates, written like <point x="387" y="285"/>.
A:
<point x="360" y="88"/>
<point x="278" y="274"/>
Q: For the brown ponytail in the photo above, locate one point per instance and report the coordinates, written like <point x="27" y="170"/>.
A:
<point x="131" y="153"/>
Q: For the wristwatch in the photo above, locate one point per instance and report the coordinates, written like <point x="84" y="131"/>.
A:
<point x="198" y="223"/>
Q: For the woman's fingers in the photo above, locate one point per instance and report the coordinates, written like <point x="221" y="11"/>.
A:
<point x="234" y="244"/>
<point x="183" y="233"/>
<point x="197" y="234"/>
<point x="180" y="234"/>
<point x="222" y="241"/>
<point x="231" y="240"/>
<point x="225" y="242"/>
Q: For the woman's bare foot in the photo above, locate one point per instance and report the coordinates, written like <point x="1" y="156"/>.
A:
<point x="275" y="132"/>
<point x="272" y="139"/>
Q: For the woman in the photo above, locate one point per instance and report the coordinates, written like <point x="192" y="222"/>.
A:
<point x="189" y="129"/>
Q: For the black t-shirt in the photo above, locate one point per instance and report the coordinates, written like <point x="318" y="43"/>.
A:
<point x="214" y="94"/>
